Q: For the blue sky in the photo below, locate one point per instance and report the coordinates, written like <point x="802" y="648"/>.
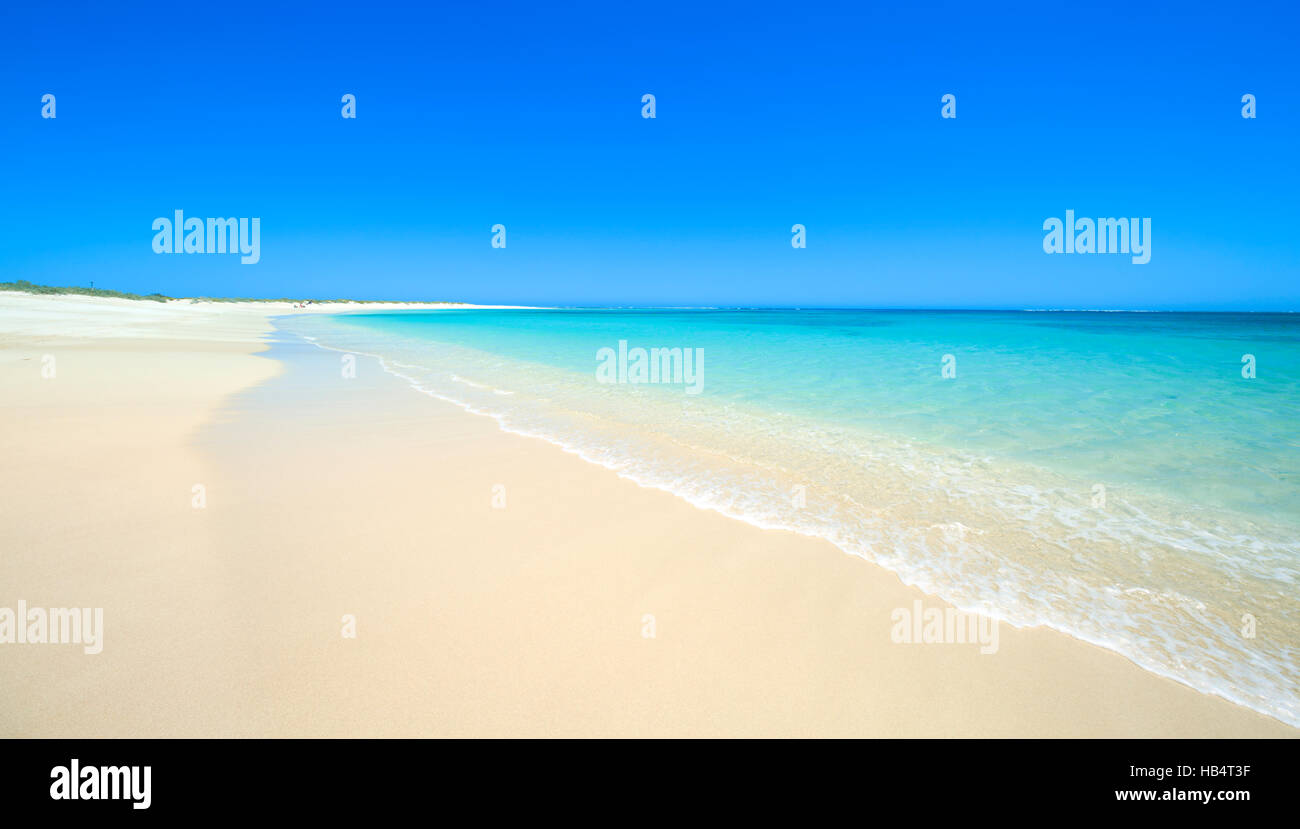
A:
<point x="826" y="115"/>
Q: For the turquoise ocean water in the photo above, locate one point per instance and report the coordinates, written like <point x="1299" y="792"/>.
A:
<point x="1110" y="475"/>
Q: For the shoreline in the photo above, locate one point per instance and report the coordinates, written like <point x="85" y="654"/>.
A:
<point x="472" y="619"/>
<point x="707" y="505"/>
<point x="39" y="315"/>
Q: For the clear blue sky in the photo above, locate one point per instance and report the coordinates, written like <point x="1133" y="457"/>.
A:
<point x="768" y="115"/>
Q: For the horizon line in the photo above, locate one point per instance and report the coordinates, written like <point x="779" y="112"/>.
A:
<point x="35" y="289"/>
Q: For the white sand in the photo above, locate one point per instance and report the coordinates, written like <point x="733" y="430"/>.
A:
<point x="365" y="498"/>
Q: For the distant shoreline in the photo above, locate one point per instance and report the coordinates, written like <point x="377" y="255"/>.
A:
<point x="25" y="287"/>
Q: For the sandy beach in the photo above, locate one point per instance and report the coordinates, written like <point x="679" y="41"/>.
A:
<point x="497" y="585"/>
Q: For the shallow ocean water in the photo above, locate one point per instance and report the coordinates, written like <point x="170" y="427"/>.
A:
<point x="1110" y="475"/>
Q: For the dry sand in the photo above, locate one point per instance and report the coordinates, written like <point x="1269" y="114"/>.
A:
<point x="327" y="498"/>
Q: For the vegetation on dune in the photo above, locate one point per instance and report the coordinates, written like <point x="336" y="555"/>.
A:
<point x="32" y="288"/>
<point x="323" y="301"/>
